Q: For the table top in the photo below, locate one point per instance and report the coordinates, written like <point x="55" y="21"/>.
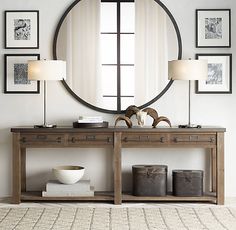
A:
<point x="63" y="129"/>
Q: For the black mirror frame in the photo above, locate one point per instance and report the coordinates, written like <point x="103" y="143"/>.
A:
<point x="106" y="110"/>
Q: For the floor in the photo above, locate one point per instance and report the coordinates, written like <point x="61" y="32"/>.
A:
<point x="5" y="202"/>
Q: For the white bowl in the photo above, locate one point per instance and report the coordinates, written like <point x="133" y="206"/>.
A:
<point x="68" y="174"/>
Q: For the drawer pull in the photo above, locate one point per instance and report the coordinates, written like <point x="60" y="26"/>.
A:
<point x="41" y="137"/>
<point x="92" y="138"/>
<point x="23" y="140"/>
<point x="162" y="139"/>
<point x="59" y="140"/>
<point x="144" y="139"/>
<point x="190" y="140"/>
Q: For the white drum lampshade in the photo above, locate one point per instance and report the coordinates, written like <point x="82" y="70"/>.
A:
<point x="47" y="70"/>
<point x="187" y="70"/>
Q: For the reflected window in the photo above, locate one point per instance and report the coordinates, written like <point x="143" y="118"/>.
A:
<point x="117" y="51"/>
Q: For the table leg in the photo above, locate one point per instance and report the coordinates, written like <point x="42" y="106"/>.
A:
<point x="16" y="169"/>
<point x="117" y="168"/>
<point x="220" y="169"/>
<point x="23" y="170"/>
<point x="213" y="169"/>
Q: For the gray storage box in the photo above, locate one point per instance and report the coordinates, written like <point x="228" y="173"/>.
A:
<point x="149" y="180"/>
<point x="187" y="182"/>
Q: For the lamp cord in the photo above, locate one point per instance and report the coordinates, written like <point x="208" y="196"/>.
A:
<point x="189" y="102"/>
<point x="44" y="103"/>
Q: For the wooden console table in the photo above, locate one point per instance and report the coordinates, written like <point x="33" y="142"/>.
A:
<point x="117" y="138"/>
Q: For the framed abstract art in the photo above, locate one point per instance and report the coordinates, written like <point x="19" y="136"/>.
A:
<point x="219" y="80"/>
<point x="22" y="29"/>
<point x="16" y="74"/>
<point x="213" y="28"/>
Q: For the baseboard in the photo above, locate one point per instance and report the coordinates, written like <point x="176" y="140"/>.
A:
<point x="230" y="200"/>
<point x="6" y="199"/>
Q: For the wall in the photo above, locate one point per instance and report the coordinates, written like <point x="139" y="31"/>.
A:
<point x="20" y="110"/>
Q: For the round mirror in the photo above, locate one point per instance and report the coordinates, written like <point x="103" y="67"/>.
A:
<point x="117" y="52"/>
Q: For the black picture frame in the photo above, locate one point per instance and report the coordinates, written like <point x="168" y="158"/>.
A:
<point x="213" y="28"/>
<point x="21" y="29"/>
<point x="219" y="74"/>
<point x="15" y="74"/>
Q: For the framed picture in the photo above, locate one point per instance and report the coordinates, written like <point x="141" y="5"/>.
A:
<point x="219" y="78"/>
<point x="213" y="28"/>
<point x="16" y="74"/>
<point x="22" y="29"/>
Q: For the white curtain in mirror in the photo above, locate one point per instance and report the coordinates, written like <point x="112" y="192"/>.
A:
<point x="83" y="52"/>
<point x="151" y="50"/>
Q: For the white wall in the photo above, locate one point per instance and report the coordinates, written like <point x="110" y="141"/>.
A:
<point x="20" y="110"/>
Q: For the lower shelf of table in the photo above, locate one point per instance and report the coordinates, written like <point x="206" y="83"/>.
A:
<point x="109" y="196"/>
<point x="99" y="196"/>
<point x="211" y="197"/>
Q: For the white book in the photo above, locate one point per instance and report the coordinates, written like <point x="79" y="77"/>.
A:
<point x="56" y="186"/>
<point x="90" y="118"/>
<point x="69" y="193"/>
<point x="90" y="121"/>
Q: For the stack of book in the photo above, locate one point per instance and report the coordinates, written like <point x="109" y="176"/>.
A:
<point x="90" y="119"/>
<point x="56" y="189"/>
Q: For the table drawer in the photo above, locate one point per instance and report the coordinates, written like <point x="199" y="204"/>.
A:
<point x="142" y="138"/>
<point x="203" y="139"/>
<point x="42" y="139"/>
<point x="90" y="139"/>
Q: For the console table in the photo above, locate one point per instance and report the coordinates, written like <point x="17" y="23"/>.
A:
<point x="117" y="138"/>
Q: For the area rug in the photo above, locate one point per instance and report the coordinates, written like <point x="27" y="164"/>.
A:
<point x="83" y="218"/>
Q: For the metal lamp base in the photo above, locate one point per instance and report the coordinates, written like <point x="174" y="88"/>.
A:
<point x="45" y="126"/>
<point x="190" y="126"/>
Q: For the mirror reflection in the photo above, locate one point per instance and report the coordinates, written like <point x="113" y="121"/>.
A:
<point x="117" y="53"/>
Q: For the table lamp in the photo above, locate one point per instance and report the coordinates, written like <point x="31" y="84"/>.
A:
<point x="46" y="70"/>
<point x="188" y="70"/>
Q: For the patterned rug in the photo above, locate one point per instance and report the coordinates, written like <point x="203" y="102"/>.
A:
<point x="82" y="218"/>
